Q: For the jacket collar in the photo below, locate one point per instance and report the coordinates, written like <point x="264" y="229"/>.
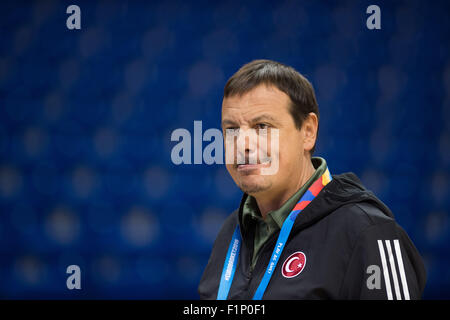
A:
<point x="344" y="189"/>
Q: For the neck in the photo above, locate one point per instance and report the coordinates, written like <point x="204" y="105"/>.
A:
<point x="274" y="200"/>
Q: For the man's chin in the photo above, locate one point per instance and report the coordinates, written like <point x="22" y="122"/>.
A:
<point x="254" y="187"/>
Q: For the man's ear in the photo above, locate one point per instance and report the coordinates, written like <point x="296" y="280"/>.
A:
<point x="309" y="128"/>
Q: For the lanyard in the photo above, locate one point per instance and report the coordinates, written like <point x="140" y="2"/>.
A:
<point x="232" y="257"/>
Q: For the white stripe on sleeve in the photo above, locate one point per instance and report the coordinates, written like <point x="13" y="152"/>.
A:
<point x="393" y="270"/>
<point x="385" y="270"/>
<point x="401" y="269"/>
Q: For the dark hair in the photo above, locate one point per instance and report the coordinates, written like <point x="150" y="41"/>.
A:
<point x="283" y="77"/>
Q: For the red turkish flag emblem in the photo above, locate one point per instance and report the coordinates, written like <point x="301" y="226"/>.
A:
<point x="294" y="264"/>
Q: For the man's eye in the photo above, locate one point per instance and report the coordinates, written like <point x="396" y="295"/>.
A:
<point x="262" y="126"/>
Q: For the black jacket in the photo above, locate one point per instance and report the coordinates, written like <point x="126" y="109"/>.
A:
<point x="352" y="246"/>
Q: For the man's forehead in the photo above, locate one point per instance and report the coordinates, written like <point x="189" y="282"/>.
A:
<point x="230" y="120"/>
<point x="261" y="100"/>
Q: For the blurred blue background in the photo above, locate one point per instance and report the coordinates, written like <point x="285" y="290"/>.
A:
<point x="86" y="116"/>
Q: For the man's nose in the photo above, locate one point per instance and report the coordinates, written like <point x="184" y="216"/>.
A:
<point x="247" y="141"/>
<point x="247" y="146"/>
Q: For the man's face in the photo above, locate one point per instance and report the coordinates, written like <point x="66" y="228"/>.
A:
<point x="264" y="107"/>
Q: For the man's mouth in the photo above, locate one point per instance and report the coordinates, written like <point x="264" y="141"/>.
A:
<point x="252" y="166"/>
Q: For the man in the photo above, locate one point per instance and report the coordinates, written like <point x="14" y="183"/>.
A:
<point x="300" y="232"/>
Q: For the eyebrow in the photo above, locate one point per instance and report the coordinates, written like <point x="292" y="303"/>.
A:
<point x="257" y="119"/>
<point x="228" y="122"/>
<point x="264" y="117"/>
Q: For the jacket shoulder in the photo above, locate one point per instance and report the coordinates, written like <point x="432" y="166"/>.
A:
<point x="229" y="224"/>
<point x="361" y="215"/>
<point x="374" y="236"/>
